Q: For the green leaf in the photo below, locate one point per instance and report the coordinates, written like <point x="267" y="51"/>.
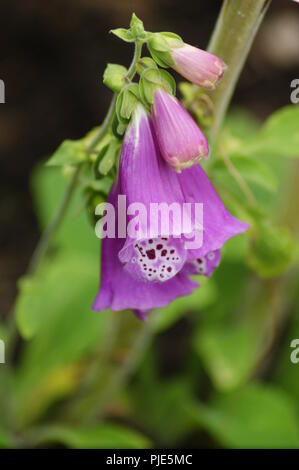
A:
<point x="271" y="250"/>
<point x="200" y="298"/>
<point x="54" y="310"/>
<point x="6" y="441"/>
<point x="228" y="353"/>
<point x="124" y="34"/>
<point x="70" y="152"/>
<point x="76" y="234"/>
<point x="160" y="405"/>
<point x="279" y="136"/>
<point x="252" y="170"/>
<point x="100" y="436"/>
<point x="114" y="77"/>
<point x="257" y="416"/>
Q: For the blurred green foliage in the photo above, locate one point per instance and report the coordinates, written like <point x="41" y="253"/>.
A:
<point x="234" y="384"/>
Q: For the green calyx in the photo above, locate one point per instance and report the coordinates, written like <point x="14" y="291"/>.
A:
<point x="151" y="79"/>
<point x="126" y="103"/>
<point x="135" y="33"/>
<point x="160" y="45"/>
<point x="108" y="157"/>
<point x="145" y="63"/>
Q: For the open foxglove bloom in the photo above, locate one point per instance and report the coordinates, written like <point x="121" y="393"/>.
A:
<point x="199" y="67"/>
<point x="180" y="140"/>
<point x="149" y="264"/>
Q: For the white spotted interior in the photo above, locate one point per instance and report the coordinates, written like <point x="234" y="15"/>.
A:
<point x="157" y="258"/>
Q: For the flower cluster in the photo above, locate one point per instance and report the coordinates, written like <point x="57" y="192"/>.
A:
<point x="158" y="164"/>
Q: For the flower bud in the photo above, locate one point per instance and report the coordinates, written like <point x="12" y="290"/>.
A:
<point x="199" y="67"/>
<point x="181" y="141"/>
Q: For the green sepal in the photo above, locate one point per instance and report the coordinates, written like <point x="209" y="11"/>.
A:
<point x="134" y="33"/>
<point x="126" y="102"/>
<point x="118" y="128"/>
<point x="124" y="34"/>
<point x="153" y="78"/>
<point x="114" y="77"/>
<point x="173" y="40"/>
<point x="137" y="28"/>
<point x="108" y="156"/>
<point x="145" y="63"/>
<point x="159" y="46"/>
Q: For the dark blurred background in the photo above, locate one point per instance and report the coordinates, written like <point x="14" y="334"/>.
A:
<point x="52" y="58"/>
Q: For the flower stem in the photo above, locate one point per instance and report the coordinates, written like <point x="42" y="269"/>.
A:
<point x="235" y="30"/>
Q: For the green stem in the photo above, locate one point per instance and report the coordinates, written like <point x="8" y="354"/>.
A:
<point x="50" y="231"/>
<point x="231" y="40"/>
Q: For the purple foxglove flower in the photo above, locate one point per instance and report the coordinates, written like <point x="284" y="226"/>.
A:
<point x="144" y="272"/>
<point x="181" y="141"/>
<point x="199" y="67"/>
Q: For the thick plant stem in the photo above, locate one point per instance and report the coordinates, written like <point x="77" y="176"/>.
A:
<point x="231" y="40"/>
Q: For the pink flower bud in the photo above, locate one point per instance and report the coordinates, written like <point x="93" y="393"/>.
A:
<point x="199" y="67"/>
<point x="180" y="140"/>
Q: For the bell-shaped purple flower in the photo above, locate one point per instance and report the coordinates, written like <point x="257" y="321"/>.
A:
<point x="147" y="270"/>
<point x="199" y="67"/>
<point x="180" y="140"/>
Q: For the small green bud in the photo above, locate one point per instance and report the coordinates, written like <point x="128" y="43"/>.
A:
<point x="114" y="77"/>
<point x="153" y="78"/>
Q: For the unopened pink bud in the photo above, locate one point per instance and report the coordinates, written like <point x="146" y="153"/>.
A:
<point x="199" y="67"/>
<point x="180" y="140"/>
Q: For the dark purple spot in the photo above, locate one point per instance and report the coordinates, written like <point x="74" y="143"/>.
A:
<point x="169" y="269"/>
<point x="159" y="247"/>
<point x="150" y="241"/>
<point x="163" y="252"/>
<point x="171" y="252"/>
<point x="151" y="254"/>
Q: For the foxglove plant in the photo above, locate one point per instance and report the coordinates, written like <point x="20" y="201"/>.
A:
<point x="146" y="272"/>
